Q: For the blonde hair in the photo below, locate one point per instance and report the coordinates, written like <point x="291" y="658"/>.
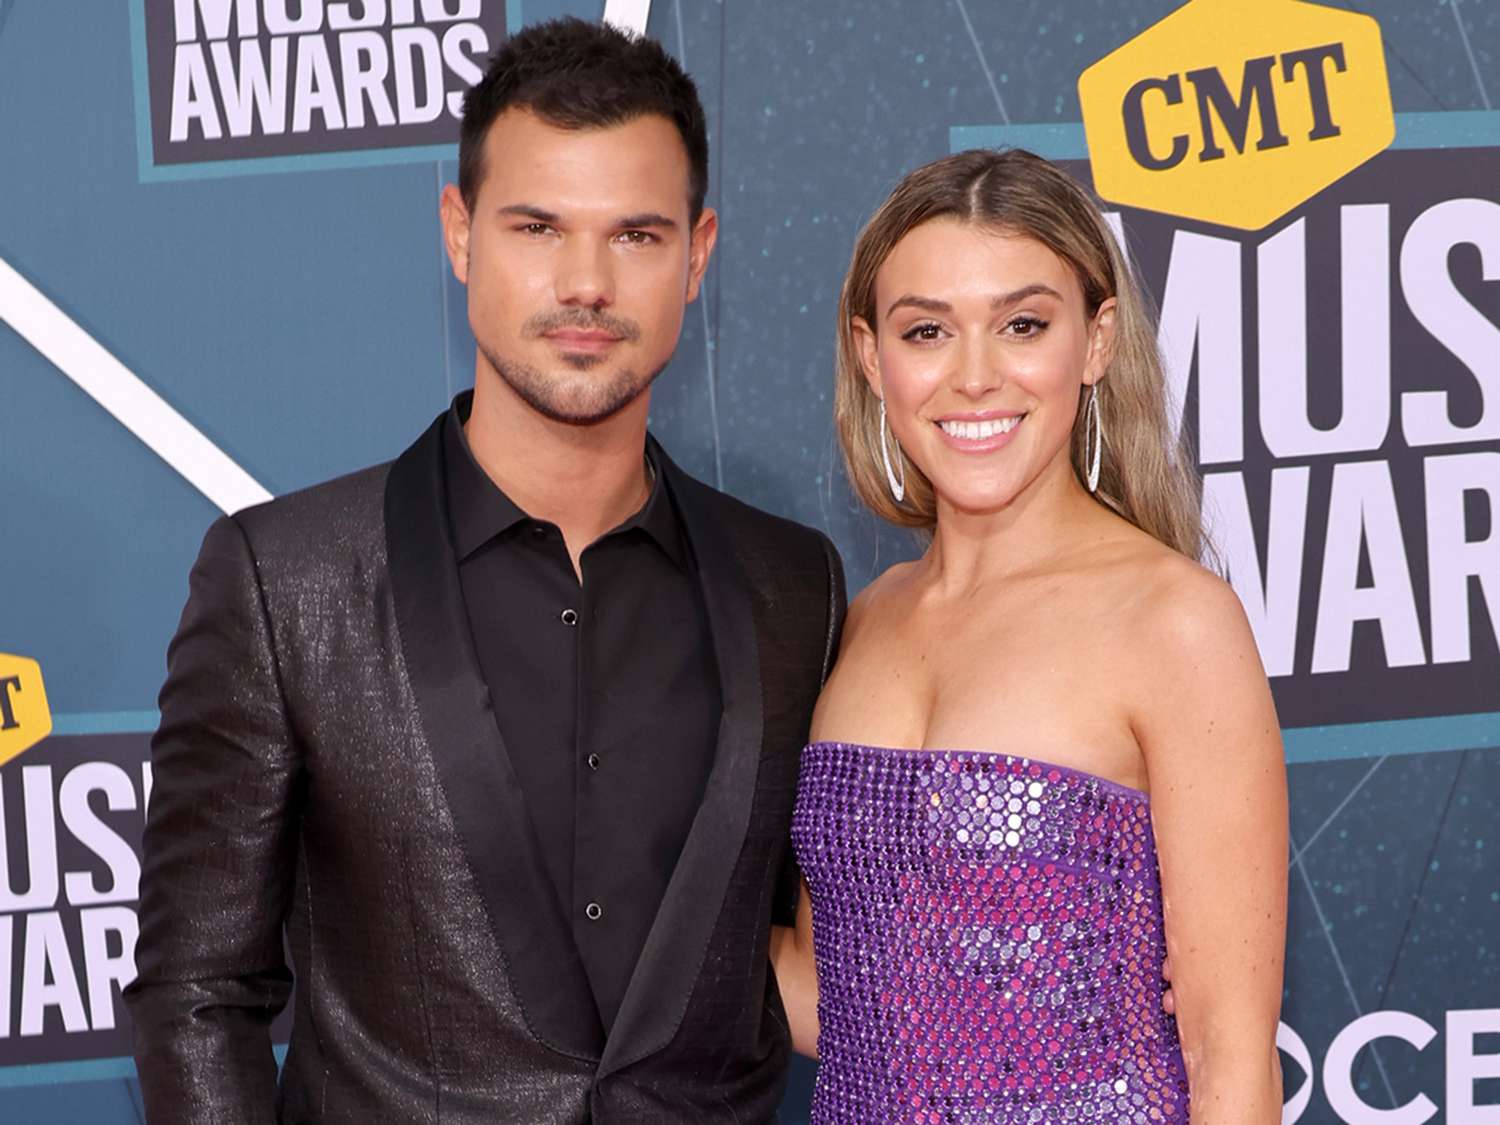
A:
<point x="1145" y="475"/>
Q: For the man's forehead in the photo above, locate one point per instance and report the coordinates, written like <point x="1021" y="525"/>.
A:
<point x="638" y="165"/>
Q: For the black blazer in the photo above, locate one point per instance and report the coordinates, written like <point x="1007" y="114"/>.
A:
<point x="329" y="776"/>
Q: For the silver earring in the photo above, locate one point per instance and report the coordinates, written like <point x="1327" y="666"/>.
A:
<point x="1091" y="422"/>
<point x="898" y="487"/>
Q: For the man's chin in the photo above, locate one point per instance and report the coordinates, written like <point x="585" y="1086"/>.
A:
<point x="562" y="396"/>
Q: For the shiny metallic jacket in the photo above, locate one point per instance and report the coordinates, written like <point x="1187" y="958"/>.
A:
<point x="330" y="783"/>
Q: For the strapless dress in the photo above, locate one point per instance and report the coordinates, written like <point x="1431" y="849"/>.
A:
<point x="989" y="941"/>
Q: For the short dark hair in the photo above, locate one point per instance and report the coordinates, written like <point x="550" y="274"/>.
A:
<point x="579" y="75"/>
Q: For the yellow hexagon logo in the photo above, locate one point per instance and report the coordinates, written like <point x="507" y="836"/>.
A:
<point x="1236" y="111"/>
<point x="24" y="716"/>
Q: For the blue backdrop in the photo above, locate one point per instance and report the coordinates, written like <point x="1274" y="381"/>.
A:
<point x="305" y="320"/>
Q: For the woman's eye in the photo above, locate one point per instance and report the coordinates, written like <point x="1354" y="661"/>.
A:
<point x="922" y="332"/>
<point x="1026" y="326"/>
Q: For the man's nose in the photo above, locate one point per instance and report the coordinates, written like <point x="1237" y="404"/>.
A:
<point x="585" y="275"/>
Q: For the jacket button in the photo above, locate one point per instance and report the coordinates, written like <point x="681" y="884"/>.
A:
<point x="593" y="761"/>
<point x="570" y="617"/>
<point x="594" y="911"/>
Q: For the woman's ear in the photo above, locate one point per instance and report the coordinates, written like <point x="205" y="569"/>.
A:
<point x="869" y="354"/>
<point x="1101" y="343"/>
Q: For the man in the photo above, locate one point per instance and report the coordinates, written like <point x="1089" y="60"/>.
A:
<point x="502" y="736"/>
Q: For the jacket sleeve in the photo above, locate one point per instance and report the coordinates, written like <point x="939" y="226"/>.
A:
<point x="219" y="855"/>
<point x="789" y="878"/>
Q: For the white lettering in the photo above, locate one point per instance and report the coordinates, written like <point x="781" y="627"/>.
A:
<point x="464" y="66"/>
<point x="1201" y="311"/>
<point x="411" y="45"/>
<point x="436" y="11"/>
<point x="1289" y="1041"/>
<point x="193" y="95"/>
<point x="47" y="978"/>
<point x="1272" y="604"/>
<point x="1465" y="1068"/>
<point x="365" y="63"/>
<point x="98" y="837"/>
<point x="314" y="87"/>
<point x="372" y="14"/>
<point x="215" y="19"/>
<point x="248" y="89"/>
<point x="1338" y="1084"/>
<point x="102" y="970"/>
<point x="1365" y="379"/>
<point x="309" y="17"/>
<point x="7" y="950"/>
<point x="1362" y="508"/>
<point x="1457" y="325"/>
<point x="41" y="844"/>
<point x="1453" y="558"/>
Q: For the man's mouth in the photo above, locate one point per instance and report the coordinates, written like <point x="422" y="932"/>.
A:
<point x="582" y="338"/>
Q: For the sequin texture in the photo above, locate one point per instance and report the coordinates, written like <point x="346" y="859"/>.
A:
<point x="988" y="932"/>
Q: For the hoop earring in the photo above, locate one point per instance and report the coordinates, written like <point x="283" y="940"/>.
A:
<point x="898" y="487"/>
<point x="1092" y="422"/>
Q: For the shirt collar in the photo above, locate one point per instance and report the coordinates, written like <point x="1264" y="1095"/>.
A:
<point x="479" y="510"/>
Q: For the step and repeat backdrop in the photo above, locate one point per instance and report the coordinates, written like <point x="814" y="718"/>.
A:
<point x="221" y="280"/>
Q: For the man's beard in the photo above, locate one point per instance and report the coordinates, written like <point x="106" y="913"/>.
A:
<point x="576" y="400"/>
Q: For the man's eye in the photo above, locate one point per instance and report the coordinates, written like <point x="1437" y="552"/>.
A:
<point x="637" y="237"/>
<point x="535" y="228"/>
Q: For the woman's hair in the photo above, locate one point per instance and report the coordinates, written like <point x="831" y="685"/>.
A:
<point x="1146" y="475"/>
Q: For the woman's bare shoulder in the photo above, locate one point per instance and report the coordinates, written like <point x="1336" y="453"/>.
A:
<point x="879" y="597"/>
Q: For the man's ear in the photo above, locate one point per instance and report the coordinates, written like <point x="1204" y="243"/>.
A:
<point x="455" y="217"/>
<point x="700" y="249"/>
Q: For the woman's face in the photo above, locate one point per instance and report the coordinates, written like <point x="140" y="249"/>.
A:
<point x="981" y="344"/>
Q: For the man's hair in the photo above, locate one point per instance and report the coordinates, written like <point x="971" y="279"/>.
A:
<point x="579" y="75"/>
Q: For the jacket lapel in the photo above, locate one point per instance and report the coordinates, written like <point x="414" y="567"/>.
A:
<point x="673" y="955"/>
<point x="473" y="766"/>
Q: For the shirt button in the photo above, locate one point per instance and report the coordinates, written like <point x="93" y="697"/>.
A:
<point x="594" y="911"/>
<point x="570" y="617"/>
<point x="593" y="761"/>
<point x="538" y="531"/>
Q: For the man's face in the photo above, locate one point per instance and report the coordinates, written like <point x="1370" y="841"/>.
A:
<point x="579" y="259"/>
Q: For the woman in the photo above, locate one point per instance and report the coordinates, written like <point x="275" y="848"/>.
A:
<point x="1047" y="755"/>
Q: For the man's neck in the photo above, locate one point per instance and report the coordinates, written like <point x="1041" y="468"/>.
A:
<point x="585" y="479"/>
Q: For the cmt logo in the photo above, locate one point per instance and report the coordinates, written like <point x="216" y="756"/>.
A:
<point x="1236" y="111"/>
<point x="24" y="717"/>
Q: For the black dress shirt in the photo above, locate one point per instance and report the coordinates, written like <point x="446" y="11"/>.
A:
<point x="606" y="694"/>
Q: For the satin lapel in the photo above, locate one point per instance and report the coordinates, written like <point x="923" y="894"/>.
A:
<point x="473" y="766"/>
<point x="673" y="955"/>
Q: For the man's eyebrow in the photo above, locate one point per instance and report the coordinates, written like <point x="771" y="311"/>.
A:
<point x="638" y="221"/>
<point x="646" y="219"/>
<point x="530" y="211"/>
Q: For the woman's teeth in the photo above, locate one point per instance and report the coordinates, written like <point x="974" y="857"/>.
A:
<point x="978" y="431"/>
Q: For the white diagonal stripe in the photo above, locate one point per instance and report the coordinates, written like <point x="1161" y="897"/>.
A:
<point x="627" y="15"/>
<point x="121" y="392"/>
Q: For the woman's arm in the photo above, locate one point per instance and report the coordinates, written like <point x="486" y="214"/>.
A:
<point x="796" y="976"/>
<point x="1206" y="722"/>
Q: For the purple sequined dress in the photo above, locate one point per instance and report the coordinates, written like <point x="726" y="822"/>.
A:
<point x="988" y="932"/>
